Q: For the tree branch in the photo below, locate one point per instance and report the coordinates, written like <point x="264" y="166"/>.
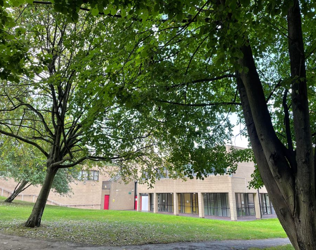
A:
<point x="196" y="50"/>
<point x="57" y="163"/>
<point x="74" y="163"/>
<point x="199" y="104"/>
<point x="39" y="114"/>
<point x="81" y="8"/>
<point x="275" y="87"/>
<point x="24" y="140"/>
<point x="287" y="122"/>
<point x="202" y="80"/>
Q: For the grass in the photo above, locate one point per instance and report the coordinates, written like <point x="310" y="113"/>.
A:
<point x="105" y="227"/>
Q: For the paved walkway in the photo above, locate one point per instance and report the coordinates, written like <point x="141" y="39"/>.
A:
<point x="12" y="242"/>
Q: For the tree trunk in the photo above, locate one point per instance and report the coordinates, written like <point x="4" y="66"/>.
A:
<point x="279" y="203"/>
<point x="21" y="186"/>
<point x="288" y="175"/>
<point x="36" y="216"/>
<point x="305" y="218"/>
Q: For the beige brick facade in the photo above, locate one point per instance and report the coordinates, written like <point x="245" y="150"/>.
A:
<point x="226" y="195"/>
<point x="227" y="185"/>
<point x="85" y="194"/>
<point x="121" y="195"/>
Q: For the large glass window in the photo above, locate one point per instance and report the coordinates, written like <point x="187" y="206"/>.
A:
<point x="266" y="205"/>
<point x="88" y="175"/>
<point x="245" y="204"/>
<point x="162" y="173"/>
<point x="151" y="199"/>
<point x="188" y="203"/>
<point x="216" y="204"/>
<point x="165" y="203"/>
<point x="158" y="173"/>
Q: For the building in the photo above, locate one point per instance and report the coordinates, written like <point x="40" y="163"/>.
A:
<point x="215" y="196"/>
<point x="93" y="190"/>
<point x="226" y="196"/>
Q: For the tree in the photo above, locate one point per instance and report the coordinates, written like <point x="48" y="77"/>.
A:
<point x="26" y="166"/>
<point x="57" y="107"/>
<point x="73" y="106"/>
<point x="231" y="53"/>
<point x="260" y="57"/>
<point x="234" y="54"/>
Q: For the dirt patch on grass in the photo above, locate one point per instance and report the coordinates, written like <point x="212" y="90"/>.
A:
<point x="9" y="242"/>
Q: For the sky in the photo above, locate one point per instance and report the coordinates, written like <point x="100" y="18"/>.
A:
<point x="237" y="139"/>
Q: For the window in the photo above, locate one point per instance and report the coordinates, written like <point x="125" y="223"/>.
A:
<point x="216" y="204"/>
<point x="162" y="173"/>
<point x="165" y="202"/>
<point x="266" y="205"/>
<point x="151" y="199"/>
<point x="95" y="175"/>
<point x="189" y="171"/>
<point x="88" y="175"/>
<point x="245" y="204"/>
<point x="157" y="173"/>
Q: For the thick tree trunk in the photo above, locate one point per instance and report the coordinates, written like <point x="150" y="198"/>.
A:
<point x="281" y="207"/>
<point x="20" y="187"/>
<point x="291" y="193"/>
<point x="303" y="139"/>
<point x="305" y="209"/>
<point x="36" y="216"/>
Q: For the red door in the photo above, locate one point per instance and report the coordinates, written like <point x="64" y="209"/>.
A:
<point x="135" y="204"/>
<point x="106" y="202"/>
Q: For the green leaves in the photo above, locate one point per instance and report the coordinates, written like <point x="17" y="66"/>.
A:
<point x="13" y="50"/>
<point x="95" y="11"/>
<point x="17" y="3"/>
<point x="169" y="67"/>
<point x="245" y="3"/>
<point x="23" y="163"/>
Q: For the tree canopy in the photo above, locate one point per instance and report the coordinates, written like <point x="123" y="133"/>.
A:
<point x="185" y="65"/>
<point x="27" y="167"/>
<point x="79" y="101"/>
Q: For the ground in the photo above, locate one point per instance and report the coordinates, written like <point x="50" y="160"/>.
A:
<point x="12" y="242"/>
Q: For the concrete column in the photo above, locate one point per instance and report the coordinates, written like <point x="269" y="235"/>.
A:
<point x="139" y="200"/>
<point x="257" y="206"/>
<point x="175" y="204"/>
<point x="232" y="205"/>
<point x="201" y="205"/>
<point x="155" y="203"/>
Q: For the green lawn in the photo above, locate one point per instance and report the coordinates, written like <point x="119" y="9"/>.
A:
<point x="103" y="227"/>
